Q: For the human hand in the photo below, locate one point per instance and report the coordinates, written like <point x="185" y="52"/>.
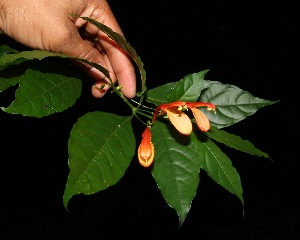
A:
<point x="47" y="25"/>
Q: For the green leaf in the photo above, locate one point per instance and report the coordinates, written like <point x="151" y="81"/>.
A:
<point x="187" y="89"/>
<point x="233" y="104"/>
<point x="217" y="165"/>
<point x="4" y="49"/>
<point x="101" y="147"/>
<point x="11" y="58"/>
<point x="10" y="64"/>
<point x="17" y="58"/>
<point x="41" y="94"/>
<point x="175" y="168"/>
<point x="235" y="142"/>
<point x="11" y="75"/>
<point x="6" y="83"/>
<point x="122" y="43"/>
<point x="160" y="94"/>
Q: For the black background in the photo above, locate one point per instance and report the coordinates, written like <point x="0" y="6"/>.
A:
<point x="246" y="44"/>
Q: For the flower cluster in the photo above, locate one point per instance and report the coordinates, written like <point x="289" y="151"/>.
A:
<point x="179" y="119"/>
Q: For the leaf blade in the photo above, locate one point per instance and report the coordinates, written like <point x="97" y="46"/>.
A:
<point x="187" y="89"/>
<point x="41" y="94"/>
<point x="233" y="104"/>
<point x="101" y="147"/>
<point x="235" y="142"/>
<point x="217" y="165"/>
<point x="175" y="169"/>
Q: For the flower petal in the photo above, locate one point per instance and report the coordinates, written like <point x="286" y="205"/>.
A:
<point x="201" y="119"/>
<point x="180" y="120"/>
<point x="146" y="149"/>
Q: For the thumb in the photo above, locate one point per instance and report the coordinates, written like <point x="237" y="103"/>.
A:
<point x="78" y="47"/>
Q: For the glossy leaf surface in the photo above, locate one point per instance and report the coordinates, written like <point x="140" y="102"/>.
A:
<point x="176" y="168"/>
<point x="187" y="89"/>
<point x="233" y="104"/>
<point x="101" y="147"/>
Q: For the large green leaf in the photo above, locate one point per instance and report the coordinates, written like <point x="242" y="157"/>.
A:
<point x="187" y="89"/>
<point x="217" y="165"/>
<point x="101" y="147"/>
<point x="235" y="142"/>
<point x="176" y="168"/>
<point x="233" y="104"/>
<point x="41" y="94"/>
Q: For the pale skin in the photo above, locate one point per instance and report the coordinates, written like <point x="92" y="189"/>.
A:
<point x="47" y="25"/>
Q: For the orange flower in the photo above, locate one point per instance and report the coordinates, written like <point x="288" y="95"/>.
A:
<point x="146" y="149"/>
<point x="180" y="120"/>
<point x="201" y="120"/>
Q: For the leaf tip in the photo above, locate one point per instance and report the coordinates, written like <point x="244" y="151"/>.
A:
<point x="66" y="199"/>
